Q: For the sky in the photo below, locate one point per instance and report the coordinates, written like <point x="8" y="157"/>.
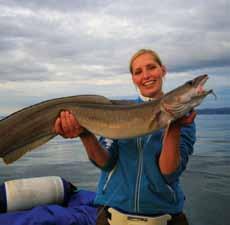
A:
<point x="57" y="48"/>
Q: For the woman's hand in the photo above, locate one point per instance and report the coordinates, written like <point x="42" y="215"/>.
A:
<point x="67" y="125"/>
<point x="186" y="120"/>
<point x="169" y="159"/>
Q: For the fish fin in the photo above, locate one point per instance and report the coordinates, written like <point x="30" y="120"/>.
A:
<point x="87" y="99"/>
<point x="19" y="152"/>
<point x="155" y="120"/>
<point x="166" y="131"/>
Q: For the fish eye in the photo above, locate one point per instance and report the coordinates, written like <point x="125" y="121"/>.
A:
<point x="190" y="82"/>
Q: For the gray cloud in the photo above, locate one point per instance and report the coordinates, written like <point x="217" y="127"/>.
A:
<point x="60" y="5"/>
<point x="186" y="31"/>
<point x="86" y="40"/>
<point x="20" y="72"/>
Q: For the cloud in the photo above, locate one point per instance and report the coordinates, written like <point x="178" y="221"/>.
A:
<point x="62" y="45"/>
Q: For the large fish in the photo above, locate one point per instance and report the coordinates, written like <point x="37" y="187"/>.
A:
<point x="31" y="127"/>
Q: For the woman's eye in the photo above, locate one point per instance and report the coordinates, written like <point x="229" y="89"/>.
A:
<point x="137" y="72"/>
<point x="151" y="67"/>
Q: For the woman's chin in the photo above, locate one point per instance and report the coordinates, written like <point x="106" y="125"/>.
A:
<point x="151" y="94"/>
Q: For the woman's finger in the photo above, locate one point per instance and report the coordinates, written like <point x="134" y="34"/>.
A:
<point x="64" y="123"/>
<point x="74" y="121"/>
<point x="190" y="118"/>
<point x="57" y="126"/>
<point x="69" y="122"/>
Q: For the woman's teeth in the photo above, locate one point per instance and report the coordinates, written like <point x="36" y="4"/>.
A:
<point x="148" y="83"/>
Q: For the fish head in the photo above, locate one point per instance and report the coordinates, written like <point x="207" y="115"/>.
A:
<point x="186" y="97"/>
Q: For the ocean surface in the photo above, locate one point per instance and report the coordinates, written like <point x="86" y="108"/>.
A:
<point x="206" y="182"/>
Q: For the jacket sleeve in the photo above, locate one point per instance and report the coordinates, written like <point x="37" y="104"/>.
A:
<point x="187" y="141"/>
<point x="112" y="147"/>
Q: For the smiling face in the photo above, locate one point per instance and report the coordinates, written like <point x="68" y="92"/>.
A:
<point x="147" y="75"/>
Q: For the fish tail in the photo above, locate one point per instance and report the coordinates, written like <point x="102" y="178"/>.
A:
<point x="19" y="152"/>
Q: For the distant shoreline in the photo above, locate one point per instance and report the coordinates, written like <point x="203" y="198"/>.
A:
<point x="210" y="111"/>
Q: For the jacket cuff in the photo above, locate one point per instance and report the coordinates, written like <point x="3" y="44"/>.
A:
<point x="171" y="178"/>
<point x="109" y="164"/>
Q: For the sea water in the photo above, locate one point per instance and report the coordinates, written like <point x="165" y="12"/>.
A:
<point x="206" y="181"/>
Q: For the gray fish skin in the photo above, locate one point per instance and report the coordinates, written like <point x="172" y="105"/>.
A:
<point x="31" y="127"/>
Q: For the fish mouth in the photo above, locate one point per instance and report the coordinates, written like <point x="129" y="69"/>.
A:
<point x="199" y="83"/>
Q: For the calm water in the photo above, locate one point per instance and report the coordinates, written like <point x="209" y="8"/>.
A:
<point x="206" y="181"/>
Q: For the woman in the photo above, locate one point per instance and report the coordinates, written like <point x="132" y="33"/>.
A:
<point x="140" y="175"/>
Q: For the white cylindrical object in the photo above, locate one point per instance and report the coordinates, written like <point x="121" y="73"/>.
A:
<point x="126" y="219"/>
<point x="29" y="192"/>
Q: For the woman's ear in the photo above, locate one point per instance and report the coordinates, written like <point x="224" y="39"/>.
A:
<point x="164" y="70"/>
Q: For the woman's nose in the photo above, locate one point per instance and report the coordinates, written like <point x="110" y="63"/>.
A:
<point x="146" y="74"/>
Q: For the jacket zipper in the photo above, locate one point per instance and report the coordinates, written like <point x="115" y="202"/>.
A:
<point x="139" y="175"/>
<point x="172" y="192"/>
<point x="108" y="179"/>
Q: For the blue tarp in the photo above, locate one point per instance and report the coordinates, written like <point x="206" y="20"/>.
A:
<point x="80" y="210"/>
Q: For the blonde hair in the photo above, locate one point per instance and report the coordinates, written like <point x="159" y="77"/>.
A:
<point x="141" y="52"/>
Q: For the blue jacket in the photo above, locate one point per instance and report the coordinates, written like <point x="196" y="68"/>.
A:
<point x="132" y="182"/>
